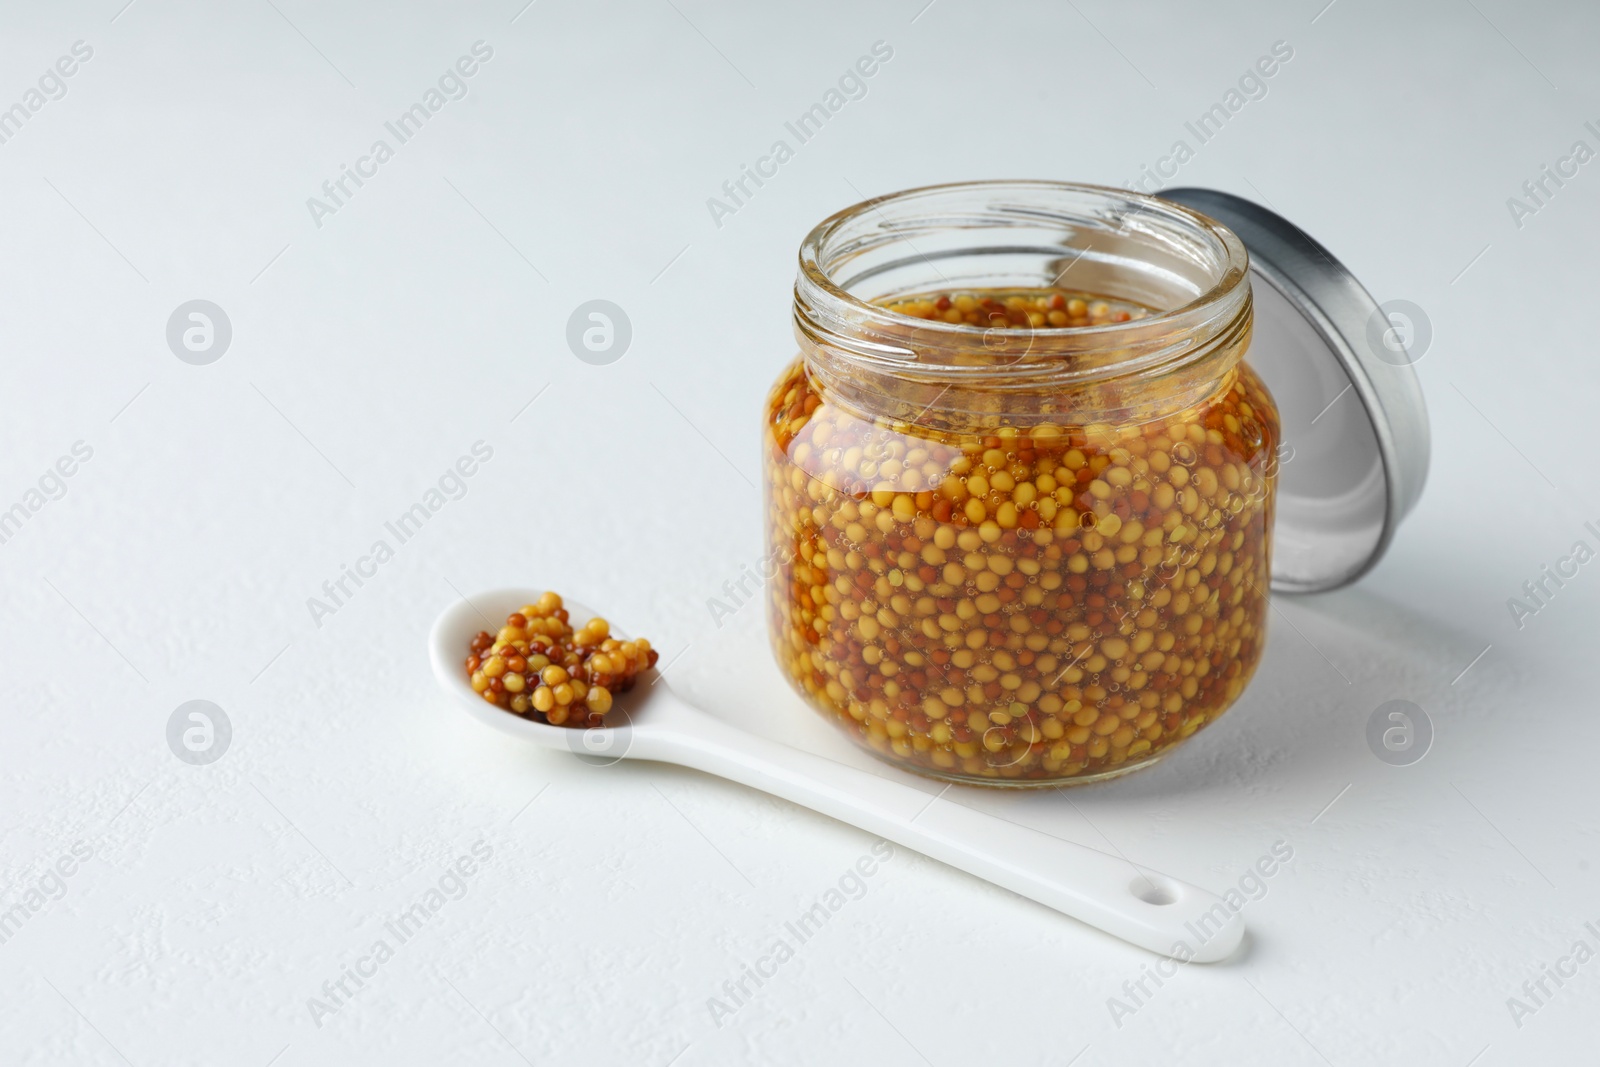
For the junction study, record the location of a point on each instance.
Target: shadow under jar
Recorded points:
(1019, 481)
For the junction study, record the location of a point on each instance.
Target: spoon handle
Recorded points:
(1149, 909)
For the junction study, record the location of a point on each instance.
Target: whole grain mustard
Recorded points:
(1025, 602)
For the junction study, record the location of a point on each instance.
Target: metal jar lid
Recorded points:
(1355, 428)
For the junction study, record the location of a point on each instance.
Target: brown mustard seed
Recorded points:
(1020, 602)
(539, 667)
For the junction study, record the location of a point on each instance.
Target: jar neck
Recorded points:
(1192, 272)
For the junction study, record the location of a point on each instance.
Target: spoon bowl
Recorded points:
(1149, 909)
(448, 642)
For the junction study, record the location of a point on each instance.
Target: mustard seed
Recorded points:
(538, 666)
(1052, 600)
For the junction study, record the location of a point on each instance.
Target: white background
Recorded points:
(372, 351)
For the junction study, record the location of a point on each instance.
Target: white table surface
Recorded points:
(372, 351)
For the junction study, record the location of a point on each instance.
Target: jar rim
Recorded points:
(828, 313)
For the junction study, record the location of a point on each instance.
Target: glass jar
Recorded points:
(1019, 481)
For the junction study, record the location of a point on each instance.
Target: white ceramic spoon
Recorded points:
(1149, 909)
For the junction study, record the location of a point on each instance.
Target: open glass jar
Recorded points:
(1019, 480)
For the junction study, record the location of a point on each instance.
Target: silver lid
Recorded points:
(1355, 428)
